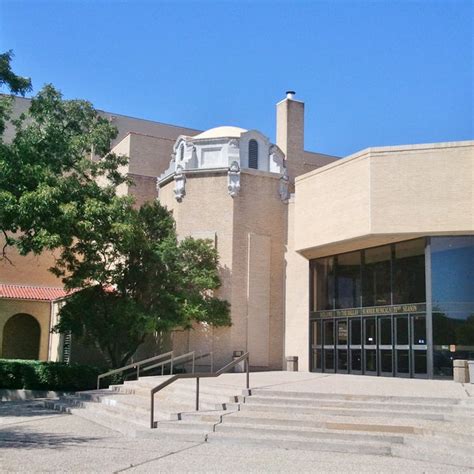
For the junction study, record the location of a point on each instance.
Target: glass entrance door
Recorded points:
(385, 348)
(419, 347)
(355, 345)
(370, 346)
(328, 347)
(402, 346)
(316, 346)
(341, 345)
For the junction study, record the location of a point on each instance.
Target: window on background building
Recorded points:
(253, 154)
(181, 153)
(376, 277)
(409, 272)
(348, 280)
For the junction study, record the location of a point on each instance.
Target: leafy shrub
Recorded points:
(38, 375)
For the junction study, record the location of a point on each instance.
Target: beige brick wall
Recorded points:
(256, 302)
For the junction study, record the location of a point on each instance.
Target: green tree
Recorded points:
(130, 276)
(148, 284)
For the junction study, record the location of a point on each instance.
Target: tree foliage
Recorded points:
(130, 275)
(149, 283)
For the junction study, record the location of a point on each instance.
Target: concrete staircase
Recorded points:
(433, 429)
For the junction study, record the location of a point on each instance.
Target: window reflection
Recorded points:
(409, 272)
(348, 280)
(452, 276)
(376, 282)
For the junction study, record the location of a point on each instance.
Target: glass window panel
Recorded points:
(324, 283)
(376, 277)
(328, 360)
(403, 362)
(370, 361)
(356, 360)
(342, 332)
(370, 337)
(316, 338)
(385, 331)
(420, 362)
(409, 272)
(342, 360)
(348, 280)
(419, 329)
(317, 359)
(452, 269)
(328, 333)
(386, 361)
(356, 327)
(402, 330)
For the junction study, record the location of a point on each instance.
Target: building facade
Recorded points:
(361, 264)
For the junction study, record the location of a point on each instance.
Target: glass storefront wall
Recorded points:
(372, 313)
(353, 326)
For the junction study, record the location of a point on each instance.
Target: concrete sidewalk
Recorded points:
(33, 439)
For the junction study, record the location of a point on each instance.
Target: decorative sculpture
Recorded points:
(233, 179)
(284, 186)
(179, 184)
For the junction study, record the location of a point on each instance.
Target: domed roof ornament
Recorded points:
(233, 179)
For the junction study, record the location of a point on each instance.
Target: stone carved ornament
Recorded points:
(284, 186)
(233, 179)
(179, 184)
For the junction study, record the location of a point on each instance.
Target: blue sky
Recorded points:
(371, 73)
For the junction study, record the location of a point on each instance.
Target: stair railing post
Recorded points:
(212, 361)
(138, 371)
(152, 411)
(197, 393)
(171, 368)
(247, 364)
(193, 362)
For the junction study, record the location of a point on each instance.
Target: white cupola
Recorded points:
(227, 149)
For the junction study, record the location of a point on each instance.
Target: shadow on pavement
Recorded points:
(19, 437)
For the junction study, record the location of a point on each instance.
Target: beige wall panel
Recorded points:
(39, 310)
(333, 204)
(150, 156)
(258, 298)
(297, 300)
(259, 210)
(422, 190)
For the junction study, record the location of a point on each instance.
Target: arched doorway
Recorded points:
(21, 337)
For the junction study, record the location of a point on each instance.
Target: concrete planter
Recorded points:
(460, 371)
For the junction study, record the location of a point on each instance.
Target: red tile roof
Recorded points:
(21, 292)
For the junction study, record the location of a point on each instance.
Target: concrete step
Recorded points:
(251, 405)
(352, 397)
(243, 429)
(295, 442)
(351, 404)
(285, 420)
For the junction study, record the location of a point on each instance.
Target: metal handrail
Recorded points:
(135, 365)
(173, 363)
(197, 376)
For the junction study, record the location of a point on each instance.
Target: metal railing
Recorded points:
(172, 361)
(197, 376)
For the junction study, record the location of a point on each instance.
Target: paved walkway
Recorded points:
(342, 384)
